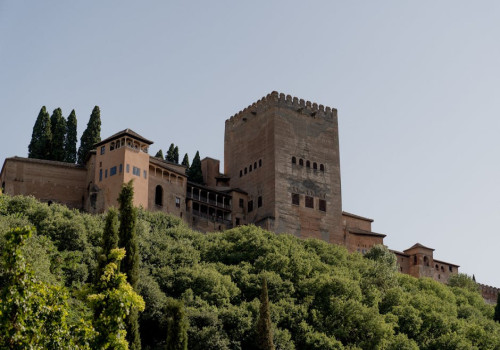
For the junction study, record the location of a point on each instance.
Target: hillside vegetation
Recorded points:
(321, 297)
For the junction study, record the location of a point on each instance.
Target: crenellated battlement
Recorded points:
(306, 108)
(489, 293)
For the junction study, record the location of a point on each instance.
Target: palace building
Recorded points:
(281, 172)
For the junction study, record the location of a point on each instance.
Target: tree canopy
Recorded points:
(71, 138)
(91, 135)
(41, 138)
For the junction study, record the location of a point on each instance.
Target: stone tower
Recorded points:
(284, 152)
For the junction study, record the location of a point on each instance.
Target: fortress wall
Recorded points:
(174, 186)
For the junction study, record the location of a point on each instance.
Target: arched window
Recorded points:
(426, 261)
(159, 196)
(415, 260)
(315, 166)
(321, 167)
(308, 164)
(294, 160)
(301, 162)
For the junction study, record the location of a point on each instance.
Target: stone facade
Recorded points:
(281, 172)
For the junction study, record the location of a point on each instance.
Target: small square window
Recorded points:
(322, 205)
(295, 198)
(309, 202)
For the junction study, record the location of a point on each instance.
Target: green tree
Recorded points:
(194, 173)
(58, 129)
(176, 155)
(496, 316)
(113, 304)
(185, 160)
(71, 138)
(177, 338)
(170, 153)
(264, 325)
(91, 135)
(41, 137)
(159, 154)
(130, 265)
(109, 240)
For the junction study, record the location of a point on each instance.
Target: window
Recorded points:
(294, 160)
(315, 166)
(242, 203)
(295, 198)
(301, 162)
(437, 267)
(322, 205)
(128, 168)
(121, 168)
(245, 171)
(442, 268)
(415, 260)
(112, 171)
(159, 195)
(308, 164)
(250, 206)
(309, 202)
(145, 174)
(136, 171)
(100, 164)
(250, 168)
(111, 146)
(100, 174)
(259, 201)
(450, 268)
(103, 149)
(177, 202)
(426, 261)
(241, 173)
(106, 173)
(321, 167)
(260, 163)
(237, 221)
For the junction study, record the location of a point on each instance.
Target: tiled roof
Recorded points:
(128, 132)
(418, 245)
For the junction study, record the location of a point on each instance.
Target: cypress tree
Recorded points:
(185, 160)
(176, 155)
(90, 136)
(71, 138)
(109, 240)
(194, 173)
(159, 154)
(177, 338)
(264, 330)
(130, 264)
(58, 129)
(170, 153)
(496, 317)
(41, 137)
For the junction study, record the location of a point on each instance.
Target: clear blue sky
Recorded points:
(416, 85)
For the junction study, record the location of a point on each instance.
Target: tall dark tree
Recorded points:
(177, 338)
(185, 160)
(194, 173)
(159, 154)
(264, 339)
(170, 153)
(496, 317)
(130, 264)
(90, 136)
(58, 129)
(176, 155)
(41, 137)
(109, 240)
(71, 138)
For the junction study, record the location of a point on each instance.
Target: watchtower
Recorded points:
(284, 152)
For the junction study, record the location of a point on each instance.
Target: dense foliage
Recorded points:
(91, 135)
(194, 172)
(71, 138)
(41, 137)
(320, 296)
(58, 129)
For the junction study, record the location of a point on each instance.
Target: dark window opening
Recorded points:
(415, 260)
(245, 171)
(309, 202)
(237, 221)
(442, 268)
(294, 160)
(103, 149)
(177, 202)
(159, 195)
(259, 201)
(450, 268)
(426, 261)
(255, 165)
(111, 146)
(308, 164)
(106, 173)
(241, 173)
(296, 198)
(241, 203)
(250, 168)
(250, 206)
(321, 167)
(437, 267)
(136, 171)
(260, 163)
(315, 166)
(322, 205)
(112, 171)
(301, 162)
(121, 168)
(100, 174)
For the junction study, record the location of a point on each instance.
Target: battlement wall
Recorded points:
(489, 293)
(306, 108)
